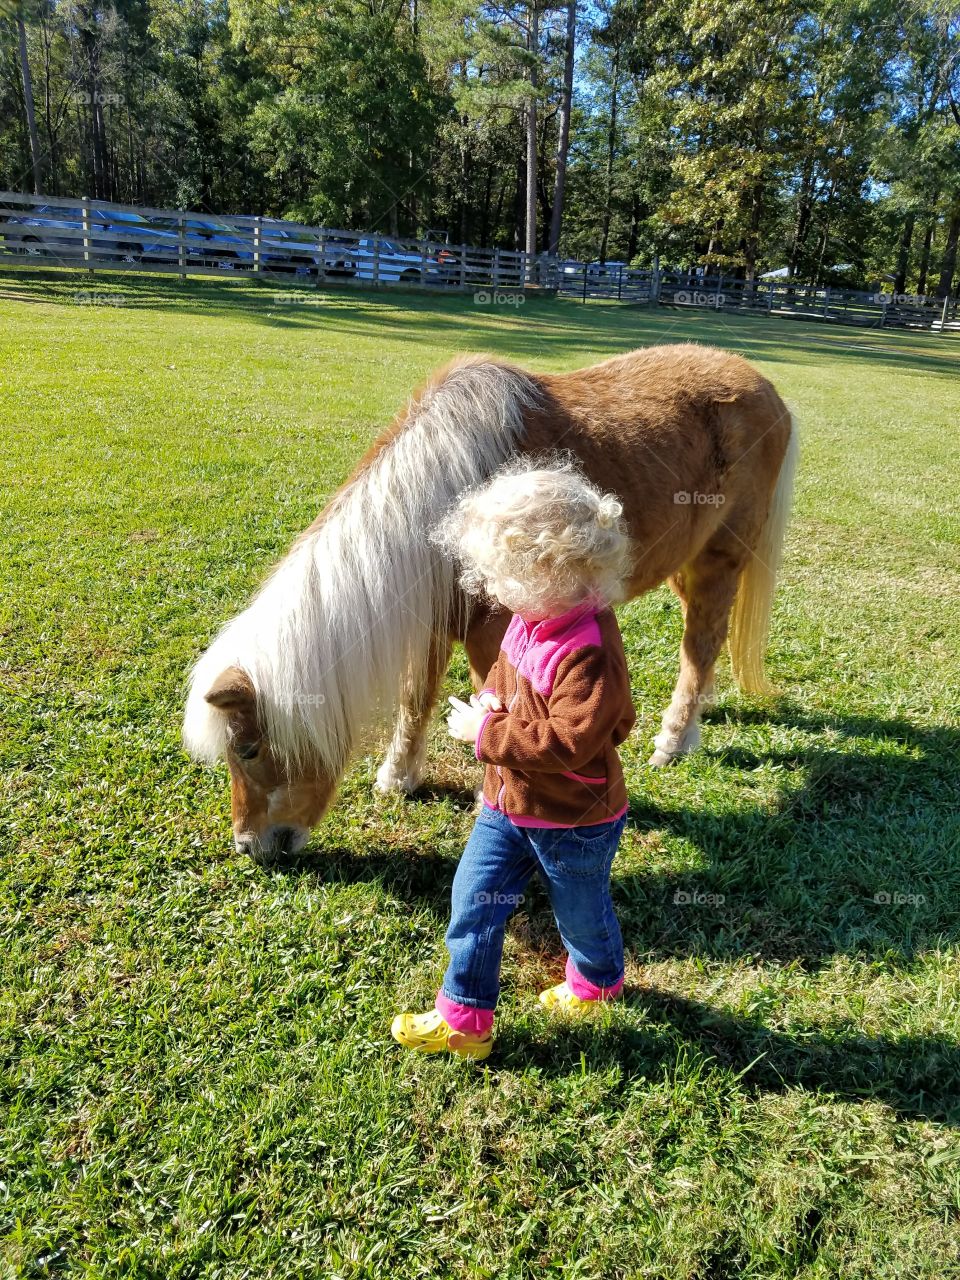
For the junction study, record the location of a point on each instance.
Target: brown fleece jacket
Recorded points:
(551, 756)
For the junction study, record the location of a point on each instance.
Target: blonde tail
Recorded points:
(750, 618)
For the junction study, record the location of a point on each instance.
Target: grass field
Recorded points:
(198, 1079)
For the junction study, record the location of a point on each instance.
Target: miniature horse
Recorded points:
(357, 622)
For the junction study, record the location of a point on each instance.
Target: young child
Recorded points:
(552, 548)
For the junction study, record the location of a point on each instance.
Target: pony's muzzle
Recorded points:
(272, 844)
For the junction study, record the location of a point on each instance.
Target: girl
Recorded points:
(552, 548)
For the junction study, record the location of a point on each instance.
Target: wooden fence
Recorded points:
(90, 235)
(96, 236)
(782, 298)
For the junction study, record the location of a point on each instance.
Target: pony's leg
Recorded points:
(706, 588)
(402, 766)
(482, 643)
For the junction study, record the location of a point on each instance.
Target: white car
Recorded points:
(384, 260)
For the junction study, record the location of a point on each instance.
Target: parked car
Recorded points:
(375, 258)
(209, 243)
(283, 250)
(46, 222)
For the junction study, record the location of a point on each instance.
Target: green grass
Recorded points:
(197, 1074)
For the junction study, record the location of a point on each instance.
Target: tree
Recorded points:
(563, 132)
(533, 47)
(36, 155)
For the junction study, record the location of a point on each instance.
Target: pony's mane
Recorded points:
(345, 619)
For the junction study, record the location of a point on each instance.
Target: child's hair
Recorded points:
(538, 537)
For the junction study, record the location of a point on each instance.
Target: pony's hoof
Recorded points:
(391, 780)
(660, 759)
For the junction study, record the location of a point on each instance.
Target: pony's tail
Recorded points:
(750, 618)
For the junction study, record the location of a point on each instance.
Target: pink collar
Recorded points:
(560, 622)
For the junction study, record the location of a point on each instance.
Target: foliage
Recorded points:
(818, 135)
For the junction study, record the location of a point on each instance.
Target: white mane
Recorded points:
(346, 618)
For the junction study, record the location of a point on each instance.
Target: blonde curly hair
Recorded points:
(539, 538)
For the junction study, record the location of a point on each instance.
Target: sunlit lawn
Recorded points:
(197, 1074)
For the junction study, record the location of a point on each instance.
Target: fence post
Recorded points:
(496, 268)
(463, 268)
(655, 279)
(376, 260)
(826, 300)
(943, 315)
(181, 249)
(257, 232)
(583, 266)
(85, 203)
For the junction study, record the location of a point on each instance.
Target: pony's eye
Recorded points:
(248, 751)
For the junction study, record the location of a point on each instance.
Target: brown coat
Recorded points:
(551, 756)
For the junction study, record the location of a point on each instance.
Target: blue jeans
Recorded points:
(497, 863)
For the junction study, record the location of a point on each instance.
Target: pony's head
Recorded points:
(274, 801)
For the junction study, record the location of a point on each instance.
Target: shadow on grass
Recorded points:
(917, 1076)
(861, 855)
(800, 882)
(546, 328)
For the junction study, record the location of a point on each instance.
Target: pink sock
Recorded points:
(464, 1017)
(586, 990)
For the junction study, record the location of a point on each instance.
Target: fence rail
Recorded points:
(95, 235)
(781, 298)
(99, 236)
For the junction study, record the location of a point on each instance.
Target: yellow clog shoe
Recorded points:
(561, 998)
(430, 1033)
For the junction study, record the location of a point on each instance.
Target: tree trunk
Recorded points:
(903, 256)
(530, 242)
(563, 138)
(611, 152)
(36, 155)
(485, 211)
(634, 227)
(751, 244)
(925, 260)
(802, 225)
(948, 264)
(464, 165)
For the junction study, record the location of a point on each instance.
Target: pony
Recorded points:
(356, 624)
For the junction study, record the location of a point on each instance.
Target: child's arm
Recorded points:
(590, 703)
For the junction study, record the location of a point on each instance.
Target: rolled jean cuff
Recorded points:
(463, 1017)
(584, 989)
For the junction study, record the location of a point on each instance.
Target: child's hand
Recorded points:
(489, 701)
(465, 719)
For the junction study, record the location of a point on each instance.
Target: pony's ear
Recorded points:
(232, 691)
